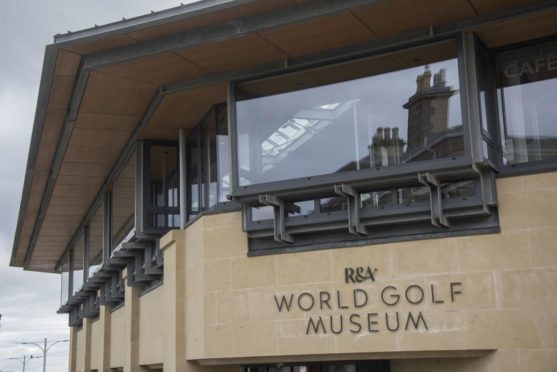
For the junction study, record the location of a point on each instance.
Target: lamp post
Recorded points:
(25, 360)
(44, 348)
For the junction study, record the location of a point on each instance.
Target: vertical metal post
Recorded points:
(139, 169)
(233, 150)
(44, 355)
(107, 226)
(183, 178)
(206, 156)
(85, 254)
(70, 275)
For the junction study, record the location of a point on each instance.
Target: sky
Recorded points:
(28, 300)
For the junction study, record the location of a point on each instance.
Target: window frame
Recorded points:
(511, 170)
(306, 187)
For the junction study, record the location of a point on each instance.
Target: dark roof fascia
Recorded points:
(45, 85)
(141, 22)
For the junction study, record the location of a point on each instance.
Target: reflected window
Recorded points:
(526, 86)
(377, 112)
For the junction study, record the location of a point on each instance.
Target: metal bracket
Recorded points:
(487, 189)
(279, 212)
(435, 199)
(353, 200)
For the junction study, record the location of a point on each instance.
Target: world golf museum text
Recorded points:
(355, 305)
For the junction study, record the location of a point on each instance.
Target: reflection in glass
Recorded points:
(393, 117)
(123, 203)
(526, 86)
(64, 280)
(96, 229)
(77, 269)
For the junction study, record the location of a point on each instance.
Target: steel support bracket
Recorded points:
(438, 218)
(487, 189)
(279, 212)
(353, 201)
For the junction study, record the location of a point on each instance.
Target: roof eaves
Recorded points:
(47, 75)
(152, 19)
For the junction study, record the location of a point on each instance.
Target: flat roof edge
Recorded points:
(180, 12)
(45, 85)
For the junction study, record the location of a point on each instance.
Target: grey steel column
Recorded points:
(183, 179)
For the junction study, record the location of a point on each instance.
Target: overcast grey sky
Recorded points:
(28, 301)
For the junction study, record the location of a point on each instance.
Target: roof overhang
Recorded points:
(105, 87)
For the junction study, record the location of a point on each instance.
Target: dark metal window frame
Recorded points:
(144, 205)
(432, 174)
(307, 186)
(511, 170)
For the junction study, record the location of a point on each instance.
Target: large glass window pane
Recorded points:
(377, 112)
(77, 268)
(164, 183)
(96, 229)
(64, 280)
(123, 202)
(526, 86)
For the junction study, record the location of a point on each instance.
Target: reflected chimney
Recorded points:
(423, 81)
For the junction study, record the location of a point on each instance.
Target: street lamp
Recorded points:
(25, 360)
(44, 348)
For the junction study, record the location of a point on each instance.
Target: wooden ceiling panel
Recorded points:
(518, 30)
(44, 157)
(74, 190)
(394, 17)
(80, 180)
(158, 69)
(53, 124)
(84, 169)
(78, 212)
(110, 122)
(61, 91)
(112, 95)
(101, 45)
(319, 34)
(83, 137)
(71, 201)
(183, 110)
(179, 113)
(92, 154)
(488, 6)
(214, 18)
(67, 63)
(234, 54)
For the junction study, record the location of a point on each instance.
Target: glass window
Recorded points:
(376, 112)
(526, 86)
(194, 174)
(64, 280)
(123, 202)
(95, 251)
(222, 154)
(77, 268)
(163, 209)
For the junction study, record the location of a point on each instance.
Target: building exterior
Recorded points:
(285, 185)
